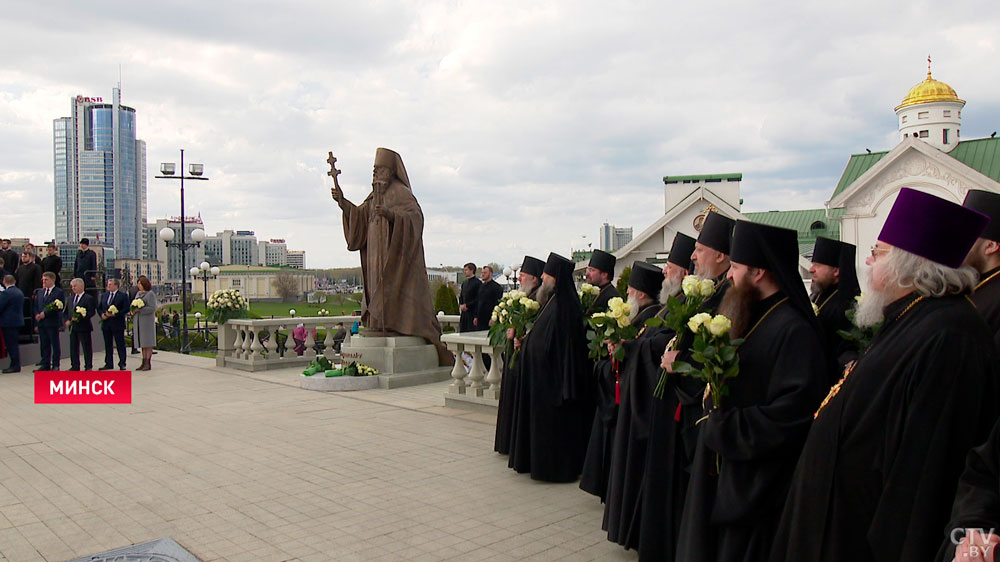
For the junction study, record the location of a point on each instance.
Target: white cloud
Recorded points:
(523, 126)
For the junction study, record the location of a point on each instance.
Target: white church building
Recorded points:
(931, 157)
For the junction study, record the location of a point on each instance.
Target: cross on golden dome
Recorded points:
(930, 90)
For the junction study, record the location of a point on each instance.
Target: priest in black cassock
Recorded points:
(553, 406)
(468, 303)
(601, 274)
(529, 279)
(639, 377)
(975, 517)
(984, 257)
(834, 288)
(672, 432)
(644, 285)
(755, 436)
(878, 473)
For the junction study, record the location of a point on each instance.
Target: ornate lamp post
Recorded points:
(206, 272)
(195, 171)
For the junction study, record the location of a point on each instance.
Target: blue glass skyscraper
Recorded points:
(100, 176)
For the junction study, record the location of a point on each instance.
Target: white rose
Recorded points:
(706, 287)
(719, 326)
(697, 320)
(690, 285)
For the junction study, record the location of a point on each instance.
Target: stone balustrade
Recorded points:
(252, 345)
(478, 385)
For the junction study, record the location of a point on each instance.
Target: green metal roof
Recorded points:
(802, 222)
(708, 177)
(857, 165)
(982, 155)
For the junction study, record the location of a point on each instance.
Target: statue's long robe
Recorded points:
(397, 294)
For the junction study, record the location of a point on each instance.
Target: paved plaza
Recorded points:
(247, 466)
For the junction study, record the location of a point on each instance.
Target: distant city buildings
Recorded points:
(297, 259)
(272, 252)
(232, 248)
(100, 175)
(613, 238)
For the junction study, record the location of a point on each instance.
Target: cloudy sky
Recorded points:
(523, 125)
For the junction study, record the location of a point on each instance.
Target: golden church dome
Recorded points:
(930, 90)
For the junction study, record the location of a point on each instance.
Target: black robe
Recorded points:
(987, 300)
(758, 432)
(607, 292)
(553, 405)
(878, 472)
(656, 518)
(977, 503)
(597, 464)
(833, 305)
(505, 407)
(639, 377)
(469, 296)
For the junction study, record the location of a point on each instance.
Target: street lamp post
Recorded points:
(197, 235)
(206, 271)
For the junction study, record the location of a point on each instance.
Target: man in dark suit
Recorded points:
(86, 264)
(48, 316)
(80, 331)
(113, 327)
(467, 299)
(52, 262)
(11, 320)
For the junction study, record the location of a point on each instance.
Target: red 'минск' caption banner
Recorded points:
(83, 387)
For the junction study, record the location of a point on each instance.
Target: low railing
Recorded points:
(252, 344)
(477, 382)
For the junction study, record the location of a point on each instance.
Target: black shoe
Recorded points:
(154, 353)
(73, 369)
(17, 370)
(106, 368)
(135, 352)
(122, 368)
(38, 364)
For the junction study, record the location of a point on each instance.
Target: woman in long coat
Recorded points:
(144, 322)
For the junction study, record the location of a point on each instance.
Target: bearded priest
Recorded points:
(879, 470)
(748, 445)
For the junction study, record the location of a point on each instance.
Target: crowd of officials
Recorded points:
(34, 303)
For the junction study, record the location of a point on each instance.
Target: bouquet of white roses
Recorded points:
(588, 294)
(136, 305)
(79, 313)
(515, 310)
(226, 304)
(715, 352)
(613, 326)
(113, 310)
(54, 306)
(695, 291)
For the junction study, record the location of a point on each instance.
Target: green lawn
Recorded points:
(337, 305)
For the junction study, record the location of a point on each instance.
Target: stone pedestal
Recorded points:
(400, 360)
